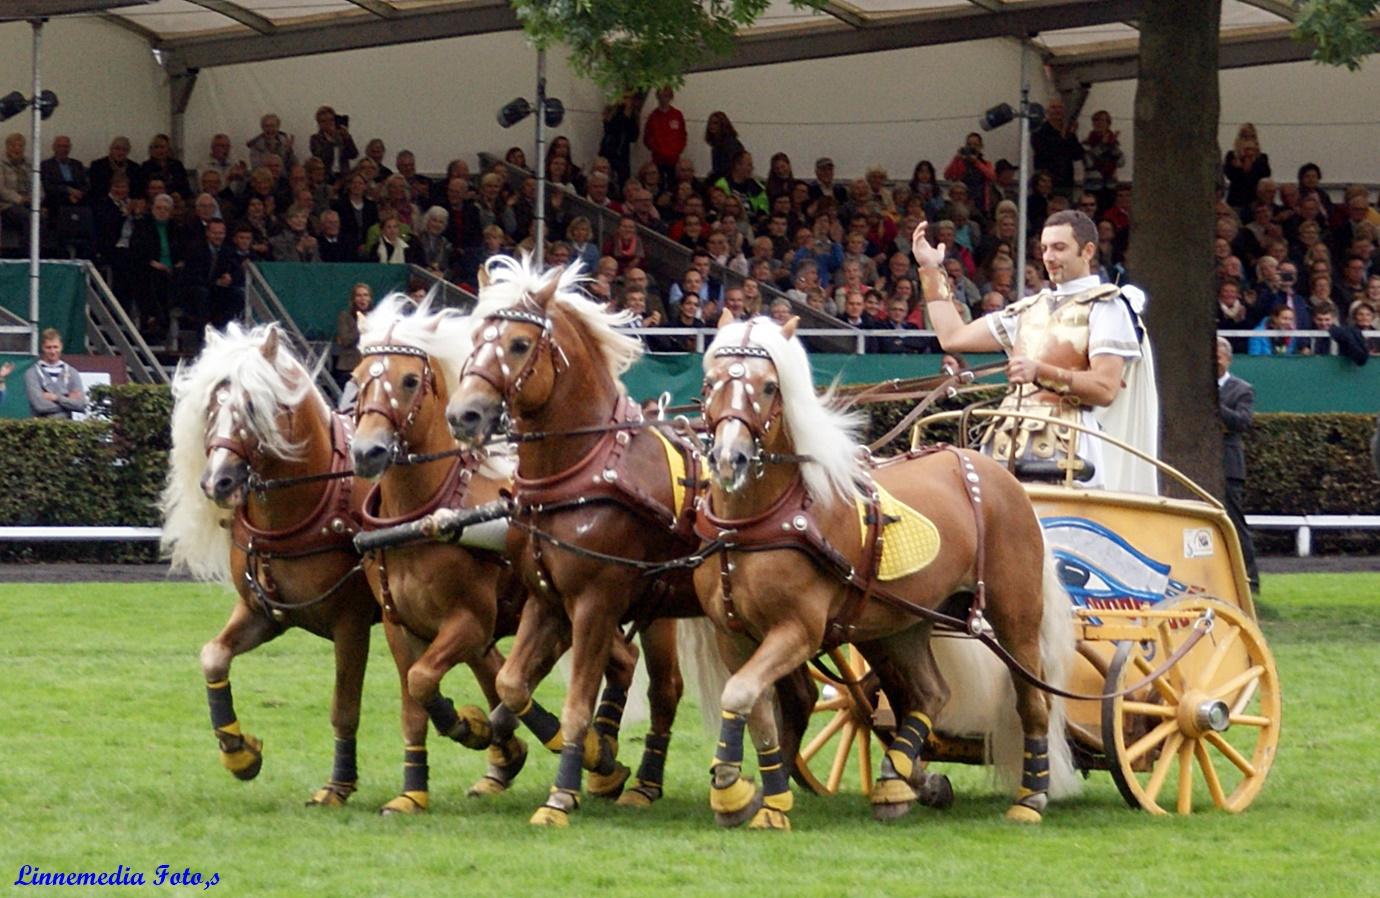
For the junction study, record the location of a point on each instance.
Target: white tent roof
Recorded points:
(1083, 40)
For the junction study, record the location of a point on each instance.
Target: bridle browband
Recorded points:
(510, 386)
(757, 424)
(390, 410)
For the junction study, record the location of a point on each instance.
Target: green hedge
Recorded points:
(108, 470)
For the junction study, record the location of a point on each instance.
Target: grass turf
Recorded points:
(108, 759)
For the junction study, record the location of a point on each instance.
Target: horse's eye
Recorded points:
(411, 381)
(770, 388)
(520, 345)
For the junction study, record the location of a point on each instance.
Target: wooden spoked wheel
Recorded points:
(848, 709)
(1205, 730)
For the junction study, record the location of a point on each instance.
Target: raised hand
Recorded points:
(927, 255)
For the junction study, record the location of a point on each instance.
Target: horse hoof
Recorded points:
(406, 803)
(770, 818)
(735, 802)
(639, 795)
(609, 785)
(891, 798)
(548, 816)
(246, 761)
(936, 792)
(1019, 813)
(332, 795)
(505, 763)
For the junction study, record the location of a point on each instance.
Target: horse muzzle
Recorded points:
(224, 484)
(729, 464)
(371, 456)
(473, 419)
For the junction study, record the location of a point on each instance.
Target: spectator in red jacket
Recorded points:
(664, 134)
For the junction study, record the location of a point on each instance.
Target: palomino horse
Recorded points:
(788, 480)
(443, 604)
(604, 502)
(260, 497)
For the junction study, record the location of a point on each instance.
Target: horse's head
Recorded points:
(250, 418)
(401, 390)
(742, 407)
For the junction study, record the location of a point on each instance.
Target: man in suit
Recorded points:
(1236, 400)
(64, 179)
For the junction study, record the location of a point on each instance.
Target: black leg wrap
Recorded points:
(730, 750)
(542, 724)
(1035, 765)
(653, 768)
(345, 771)
(222, 705)
(441, 710)
(775, 780)
(415, 771)
(608, 717)
(571, 769)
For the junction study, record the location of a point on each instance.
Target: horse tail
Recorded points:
(702, 668)
(982, 699)
(1058, 645)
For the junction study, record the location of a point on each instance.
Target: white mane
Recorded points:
(816, 429)
(441, 332)
(193, 538)
(513, 283)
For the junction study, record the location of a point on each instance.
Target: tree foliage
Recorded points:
(1338, 30)
(642, 44)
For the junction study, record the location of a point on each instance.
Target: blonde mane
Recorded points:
(816, 428)
(513, 283)
(440, 331)
(194, 539)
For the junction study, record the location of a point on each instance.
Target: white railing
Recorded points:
(1304, 524)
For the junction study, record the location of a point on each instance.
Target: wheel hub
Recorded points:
(1199, 714)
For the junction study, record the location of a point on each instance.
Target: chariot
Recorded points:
(1181, 698)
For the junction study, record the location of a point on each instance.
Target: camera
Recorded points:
(342, 121)
(1286, 277)
(967, 151)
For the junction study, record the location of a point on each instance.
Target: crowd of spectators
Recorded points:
(175, 238)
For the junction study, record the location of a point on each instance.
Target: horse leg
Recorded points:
(606, 776)
(240, 753)
(747, 701)
(542, 632)
(1032, 705)
(351, 638)
(594, 631)
(414, 797)
(507, 753)
(911, 679)
(664, 692)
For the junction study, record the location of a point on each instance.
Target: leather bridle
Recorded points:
(392, 411)
(505, 383)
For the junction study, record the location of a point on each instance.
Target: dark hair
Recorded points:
(1307, 167)
(1084, 231)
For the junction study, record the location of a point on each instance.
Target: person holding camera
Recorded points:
(969, 167)
(332, 143)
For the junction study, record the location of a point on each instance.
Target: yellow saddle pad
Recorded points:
(910, 541)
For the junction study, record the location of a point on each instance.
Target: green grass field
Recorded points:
(106, 758)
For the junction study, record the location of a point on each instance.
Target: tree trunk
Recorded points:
(1173, 206)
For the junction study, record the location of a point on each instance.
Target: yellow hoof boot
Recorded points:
(1029, 806)
(891, 798)
(770, 818)
(553, 817)
(1019, 813)
(639, 795)
(487, 787)
(472, 729)
(244, 761)
(735, 803)
(406, 803)
(505, 763)
(332, 795)
(609, 785)
(599, 750)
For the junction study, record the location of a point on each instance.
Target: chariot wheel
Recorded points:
(1206, 729)
(847, 706)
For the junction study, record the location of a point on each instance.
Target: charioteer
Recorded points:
(1073, 351)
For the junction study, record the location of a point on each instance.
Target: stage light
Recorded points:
(996, 116)
(12, 104)
(514, 112)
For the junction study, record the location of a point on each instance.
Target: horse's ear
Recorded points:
(788, 329)
(725, 319)
(270, 347)
(543, 296)
(484, 277)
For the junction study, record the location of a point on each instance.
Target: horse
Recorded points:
(260, 497)
(605, 503)
(817, 544)
(443, 604)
